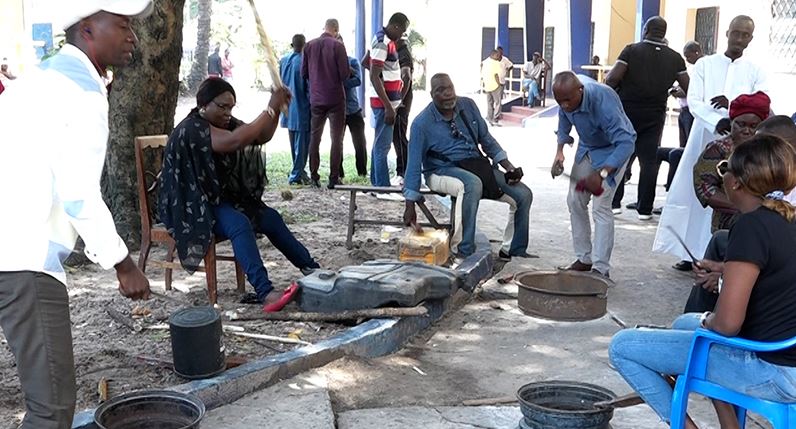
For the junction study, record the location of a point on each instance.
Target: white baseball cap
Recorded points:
(80, 9)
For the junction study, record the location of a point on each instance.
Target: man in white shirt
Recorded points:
(715, 80)
(506, 65)
(49, 185)
(532, 76)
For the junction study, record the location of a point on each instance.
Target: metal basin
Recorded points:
(562, 295)
(564, 405)
(150, 409)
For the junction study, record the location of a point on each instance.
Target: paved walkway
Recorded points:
(489, 348)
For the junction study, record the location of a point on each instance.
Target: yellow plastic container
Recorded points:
(430, 246)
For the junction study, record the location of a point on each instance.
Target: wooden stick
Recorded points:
(270, 55)
(271, 338)
(124, 320)
(489, 401)
(371, 313)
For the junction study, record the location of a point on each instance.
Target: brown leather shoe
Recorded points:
(576, 266)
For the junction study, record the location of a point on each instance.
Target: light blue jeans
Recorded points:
(532, 86)
(379, 169)
(642, 355)
(473, 188)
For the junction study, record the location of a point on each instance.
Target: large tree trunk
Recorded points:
(142, 102)
(200, 54)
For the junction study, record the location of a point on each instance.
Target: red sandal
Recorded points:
(287, 296)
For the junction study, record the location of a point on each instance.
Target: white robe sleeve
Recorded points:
(698, 103)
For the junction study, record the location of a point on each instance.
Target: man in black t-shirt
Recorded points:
(642, 76)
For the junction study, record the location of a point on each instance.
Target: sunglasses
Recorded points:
(455, 132)
(723, 167)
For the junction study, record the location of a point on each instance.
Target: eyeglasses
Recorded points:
(723, 167)
(455, 133)
(227, 107)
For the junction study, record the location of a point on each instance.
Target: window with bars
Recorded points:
(782, 38)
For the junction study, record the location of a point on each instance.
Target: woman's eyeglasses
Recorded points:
(455, 130)
(226, 107)
(723, 167)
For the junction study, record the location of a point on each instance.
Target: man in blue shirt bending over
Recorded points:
(607, 139)
(444, 145)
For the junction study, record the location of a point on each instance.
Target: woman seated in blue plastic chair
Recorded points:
(757, 298)
(212, 183)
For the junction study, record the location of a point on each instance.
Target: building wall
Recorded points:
(12, 25)
(681, 16)
(622, 28)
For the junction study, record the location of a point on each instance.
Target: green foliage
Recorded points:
(279, 164)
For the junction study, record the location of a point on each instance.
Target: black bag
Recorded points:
(481, 167)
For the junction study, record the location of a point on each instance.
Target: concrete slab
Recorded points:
(286, 405)
(431, 418)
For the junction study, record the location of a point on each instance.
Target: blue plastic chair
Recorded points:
(781, 415)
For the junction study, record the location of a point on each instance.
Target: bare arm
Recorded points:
(683, 80)
(617, 73)
(406, 78)
(739, 279)
(258, 132)
(378, 84)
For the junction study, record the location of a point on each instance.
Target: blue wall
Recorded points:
(580, 33)
(645, 9)
(503, 27)
(534, 27)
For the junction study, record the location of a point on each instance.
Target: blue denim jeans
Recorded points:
(379, 169)
(521, 194)
(233, 224)
(642, 355)
(299, 149)
(532, 86)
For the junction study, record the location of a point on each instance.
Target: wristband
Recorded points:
(271, 112)
(703, 318)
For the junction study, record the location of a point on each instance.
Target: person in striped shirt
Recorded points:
(385, 79)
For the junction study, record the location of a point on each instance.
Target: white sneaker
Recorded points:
(397, 181)
(617, 210)
(644, 217)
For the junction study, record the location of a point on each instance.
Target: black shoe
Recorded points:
(597, 272)
(503, 256)
(632, 206)
(250, 298)
(658, 211)
(307, 270)
(315, 184)
(683, 266)
(333, 183)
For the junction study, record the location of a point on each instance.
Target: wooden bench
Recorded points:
(353, 221)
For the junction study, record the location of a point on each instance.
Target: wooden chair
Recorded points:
(157, 233)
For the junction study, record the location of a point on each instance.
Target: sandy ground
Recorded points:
(106, 349)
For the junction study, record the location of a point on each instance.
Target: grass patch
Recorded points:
(279, 164)
(297, 218)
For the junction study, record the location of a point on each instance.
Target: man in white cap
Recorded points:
(53, 144)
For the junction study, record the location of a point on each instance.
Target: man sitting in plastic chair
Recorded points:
(756, 300)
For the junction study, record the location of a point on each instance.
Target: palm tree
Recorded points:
(198, 73)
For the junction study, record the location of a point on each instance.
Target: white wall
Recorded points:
(676, 15)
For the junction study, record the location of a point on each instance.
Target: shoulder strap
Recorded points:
(472, 133)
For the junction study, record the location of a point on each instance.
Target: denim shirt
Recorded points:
(606, 133)
(351, 85)
(298, 112)
(433, 145)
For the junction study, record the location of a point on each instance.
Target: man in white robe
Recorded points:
(715, 80)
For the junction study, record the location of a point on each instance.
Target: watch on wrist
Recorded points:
(703, 318)
(604, 173)
(271, 112)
